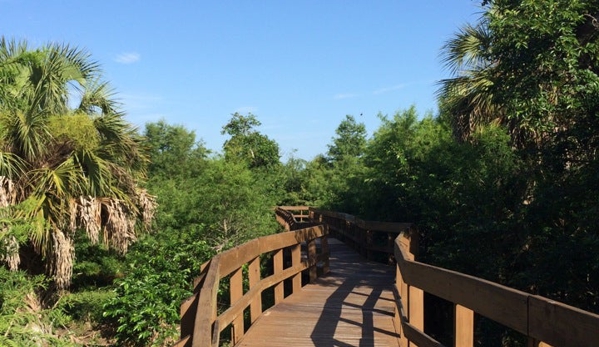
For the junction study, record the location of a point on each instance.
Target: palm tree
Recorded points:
(68, 159)
(468, 97)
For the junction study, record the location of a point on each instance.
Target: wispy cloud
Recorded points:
(389, 89)
(341, 96)
(127, 58)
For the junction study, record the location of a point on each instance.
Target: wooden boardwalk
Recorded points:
(351, 306)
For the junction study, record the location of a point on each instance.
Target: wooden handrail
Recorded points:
(293, 217)
(201, 323)
(373, 240)
(545, 322)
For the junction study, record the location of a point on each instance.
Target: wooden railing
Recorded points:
(294, 217)
(201, 321)
(373, 240)
(545, 322)
(300, 214)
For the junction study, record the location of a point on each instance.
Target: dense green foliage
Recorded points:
(247, 144)
(502, 183)
(206, 205)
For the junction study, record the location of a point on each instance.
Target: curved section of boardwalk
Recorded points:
(351, 306)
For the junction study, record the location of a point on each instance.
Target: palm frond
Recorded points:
(98, 99)
(119, 230)
(11, 165)
(61, 264)
(11, 255)
(26, 133)
(468, 50)
(87, 215)
(147, 206)
(98, 178)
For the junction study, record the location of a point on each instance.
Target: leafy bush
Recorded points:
(86, 306)
(23, 320)
(145, 308)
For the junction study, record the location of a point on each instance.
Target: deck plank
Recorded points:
(351, 306)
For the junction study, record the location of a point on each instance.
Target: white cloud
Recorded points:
(127, 58)
(345, 96)
(389, 89)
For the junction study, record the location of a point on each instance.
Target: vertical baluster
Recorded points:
(324, 243)
(415, 296)
(254, 278)
(278, 268)
(296, 258)
(405, 295)
(312, 260)
(368, 243)
(464, 326)
(235, 293)
(416, 308)
(403, 298)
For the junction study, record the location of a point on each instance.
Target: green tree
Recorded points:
(247, 144)
(173, 150)
(350, 140)
(540, 65)
(65, 168)
(468, 99)
(223, 204)
(334, 180)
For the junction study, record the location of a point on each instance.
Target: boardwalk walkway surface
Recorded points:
(351, 306)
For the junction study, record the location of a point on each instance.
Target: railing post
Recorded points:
(277, 260)
(235, 293)
(402, 290)
(416, 308)
(414, 302)
(464, 326)
(296, 258)
(312, 260)
(253, 279)
(368, 240)
(204, 331)
(324, 246)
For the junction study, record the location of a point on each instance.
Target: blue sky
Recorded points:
(299, 66)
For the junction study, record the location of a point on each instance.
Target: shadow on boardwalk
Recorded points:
(351, 306)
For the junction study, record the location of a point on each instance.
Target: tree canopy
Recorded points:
(247, 144)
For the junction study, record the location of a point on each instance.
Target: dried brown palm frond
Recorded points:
(63, 256)
(11, 258)
(8, 193)
(87, 215)
(10, 244)
(119, 230)
(147, 205)
(73, 208)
